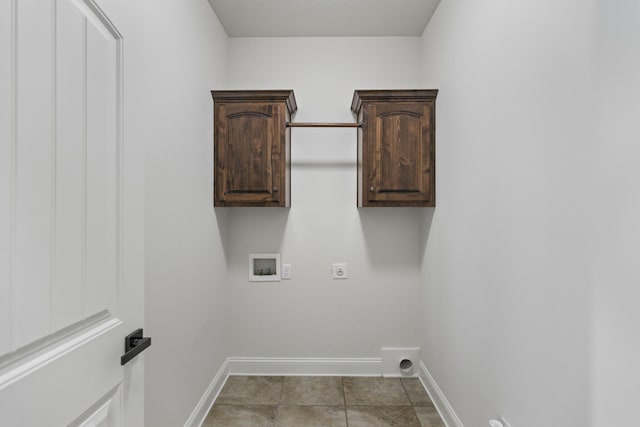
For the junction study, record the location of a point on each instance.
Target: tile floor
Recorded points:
(247, 401)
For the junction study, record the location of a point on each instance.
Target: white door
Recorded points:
(71, 243)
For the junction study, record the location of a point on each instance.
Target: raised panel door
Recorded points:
(398, 153)
(249, 156)
(70, 278)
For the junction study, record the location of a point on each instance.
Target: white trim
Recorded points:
(363, 366)
(107, 408)
(14, 374)
(203, 407)
(98, 416)
(98, 18)
(441, 403)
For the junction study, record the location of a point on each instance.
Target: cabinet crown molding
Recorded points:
(279, 95)
(395, 95)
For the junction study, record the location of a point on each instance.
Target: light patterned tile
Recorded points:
(241, 416)
(319, 401)
(428, 416)
(417, 394)
(374, 391)
(382, 416)
(250, 390)
(312, 391)
(312, 416)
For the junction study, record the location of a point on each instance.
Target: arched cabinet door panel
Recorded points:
(252, 147)
(396, 147)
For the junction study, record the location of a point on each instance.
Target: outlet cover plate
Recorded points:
(339, 271)
(286, 271)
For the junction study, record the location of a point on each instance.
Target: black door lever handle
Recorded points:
(134, 344)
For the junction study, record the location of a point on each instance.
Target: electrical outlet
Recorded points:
(339, 271)
(286, 271)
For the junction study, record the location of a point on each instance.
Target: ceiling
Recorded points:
(323, 18)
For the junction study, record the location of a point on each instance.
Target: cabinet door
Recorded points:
(400, 154)
(248, 154)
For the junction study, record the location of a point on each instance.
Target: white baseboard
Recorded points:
(445, 410)
(211, 393)
(305, 366)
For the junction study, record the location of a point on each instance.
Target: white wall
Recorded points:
(507, 265)
(184, 58)
(617, 294)
(506, 261)
(313, 315)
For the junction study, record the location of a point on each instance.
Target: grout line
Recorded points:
(281, 390)
(410, 401)
(405, 391)
(344, 398)
(280, 402)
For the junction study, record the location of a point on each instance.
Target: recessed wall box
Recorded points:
(264, 267)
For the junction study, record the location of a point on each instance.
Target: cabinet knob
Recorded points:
(371, 188)
(275, 188)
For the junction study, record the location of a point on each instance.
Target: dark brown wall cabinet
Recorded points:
(396, 147)
(252, 147)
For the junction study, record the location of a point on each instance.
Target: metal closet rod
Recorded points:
(323, 125)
